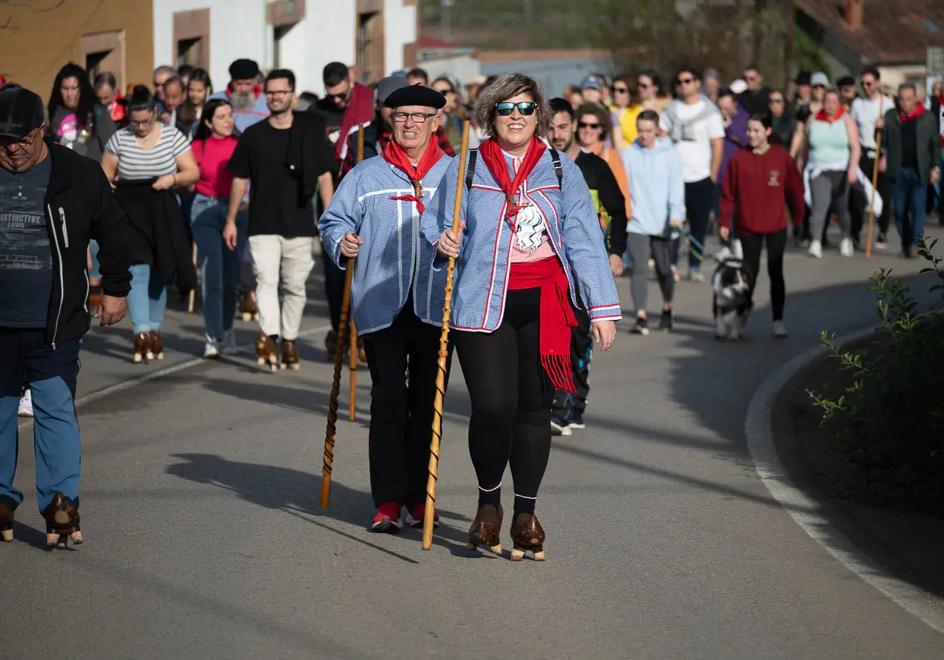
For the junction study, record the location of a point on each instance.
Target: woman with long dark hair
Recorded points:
(531, 236)
(146, 161)
(74, 119)
(199, 88)
(213, 146)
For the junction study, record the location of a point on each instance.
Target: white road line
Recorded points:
(804, 510)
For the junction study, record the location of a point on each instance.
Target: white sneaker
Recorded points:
(211, 349)
(780, 329)
(846, 248)
(26, 405)
(228, 345)
(816, 250)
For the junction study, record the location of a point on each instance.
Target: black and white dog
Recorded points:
(731, 297)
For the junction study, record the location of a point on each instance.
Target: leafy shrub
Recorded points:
(889, 422)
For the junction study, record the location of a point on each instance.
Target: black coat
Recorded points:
(79, 206)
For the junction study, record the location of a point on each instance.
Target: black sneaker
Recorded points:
(641, 327)
(576, 422)
(560, 426)
(665, 321)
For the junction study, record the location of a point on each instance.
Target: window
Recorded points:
(104, 51)
(192, 38)
(370, 45)
(190, 51)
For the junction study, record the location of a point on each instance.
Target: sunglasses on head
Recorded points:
(505, 108)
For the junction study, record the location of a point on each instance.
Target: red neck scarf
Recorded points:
(495, 160)
(822, 116)
(914, 114)
(394, 154)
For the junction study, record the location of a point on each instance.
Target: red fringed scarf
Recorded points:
(394, 154)
(495, 160)
(911, 116)
(822, 116)
(557, 318)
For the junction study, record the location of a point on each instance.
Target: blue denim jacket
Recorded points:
(394, 258)
(482, 268)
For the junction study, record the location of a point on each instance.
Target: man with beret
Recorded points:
(52, 201)
(244, 92)
(375, 214)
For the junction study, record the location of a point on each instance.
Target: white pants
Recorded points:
(287, 261)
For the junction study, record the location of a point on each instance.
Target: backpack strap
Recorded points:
(470, 168)
(558, 168)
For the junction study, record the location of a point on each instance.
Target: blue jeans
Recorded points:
(147, 299)
(26, 359)
(910, 195)
(219, 266)
(96, 272)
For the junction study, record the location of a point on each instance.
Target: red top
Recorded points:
(757, 188)
(212, 156)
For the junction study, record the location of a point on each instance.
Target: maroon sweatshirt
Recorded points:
(757, 190)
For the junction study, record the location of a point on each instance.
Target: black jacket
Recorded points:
(79, 206)
(600, 177)
(929, 147)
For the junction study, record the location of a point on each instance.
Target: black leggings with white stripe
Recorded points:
(511, 401)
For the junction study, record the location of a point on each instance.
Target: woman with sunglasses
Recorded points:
(145, 162)
(530, 233)
(625, 112)
(650, 87)
(593, 126)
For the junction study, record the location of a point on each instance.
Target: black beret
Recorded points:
(243, 69)
(415, 95)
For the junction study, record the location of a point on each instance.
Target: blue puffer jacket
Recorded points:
(394, 258)
(485, 254)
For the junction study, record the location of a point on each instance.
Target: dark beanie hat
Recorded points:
(243, 69)
(415, 95)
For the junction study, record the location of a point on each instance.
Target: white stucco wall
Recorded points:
(238, 28)
(327, 33)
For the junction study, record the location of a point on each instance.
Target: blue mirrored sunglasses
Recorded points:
(526, 108)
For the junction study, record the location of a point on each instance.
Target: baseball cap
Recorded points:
(819, 78)
(389, 85)
(21, 111)
(590, 82)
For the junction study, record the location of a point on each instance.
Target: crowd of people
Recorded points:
(233, 191)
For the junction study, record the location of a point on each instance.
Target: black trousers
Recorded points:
(859, 202)
(403, 363)
(511, 398)
(699, 202)
(776, 244)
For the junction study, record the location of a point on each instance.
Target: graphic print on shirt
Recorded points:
(529, 229)
(773, 178)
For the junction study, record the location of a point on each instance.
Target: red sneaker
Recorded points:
(414, 516)
(387, 518)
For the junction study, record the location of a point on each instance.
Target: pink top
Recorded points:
(530, 242)
(212, 156)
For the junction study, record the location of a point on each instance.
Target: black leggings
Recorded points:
(511, 399)
(776, 243)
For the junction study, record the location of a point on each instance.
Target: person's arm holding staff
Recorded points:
(448, 245)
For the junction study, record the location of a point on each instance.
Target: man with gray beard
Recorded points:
(244, 93)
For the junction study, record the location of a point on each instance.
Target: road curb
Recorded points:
(806, 511)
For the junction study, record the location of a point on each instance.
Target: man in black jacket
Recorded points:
(568, 409)
(52, 201)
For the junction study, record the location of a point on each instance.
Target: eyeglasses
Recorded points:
(444, 90)
(505, 108)
(685, 81)
(339, 97)
(278, 92)
(417, 117)
(620, 90)
(750, 78)
(868, 83)
(582, 124)
(642, 85)
(819, 86)
(775, 100)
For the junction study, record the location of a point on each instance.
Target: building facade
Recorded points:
(38, 38)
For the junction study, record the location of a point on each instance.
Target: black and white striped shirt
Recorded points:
(136, 163)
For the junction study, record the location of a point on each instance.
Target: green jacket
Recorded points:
(929, 149)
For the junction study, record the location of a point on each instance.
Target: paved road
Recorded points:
(205, 539)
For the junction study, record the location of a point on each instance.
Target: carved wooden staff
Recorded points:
(430, 513)
(352, 346)
(878, 157)
(343, 327)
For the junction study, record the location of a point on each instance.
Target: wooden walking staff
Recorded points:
(192, 296)
(430, 513)
(343, 328)
(878, 156)
(352, 346)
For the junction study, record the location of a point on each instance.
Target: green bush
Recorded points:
(888, 422)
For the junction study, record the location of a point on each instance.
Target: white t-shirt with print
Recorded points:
(694, 149)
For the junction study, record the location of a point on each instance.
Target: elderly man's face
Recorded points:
(20, 155)
(413, 125)
(907, 99)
